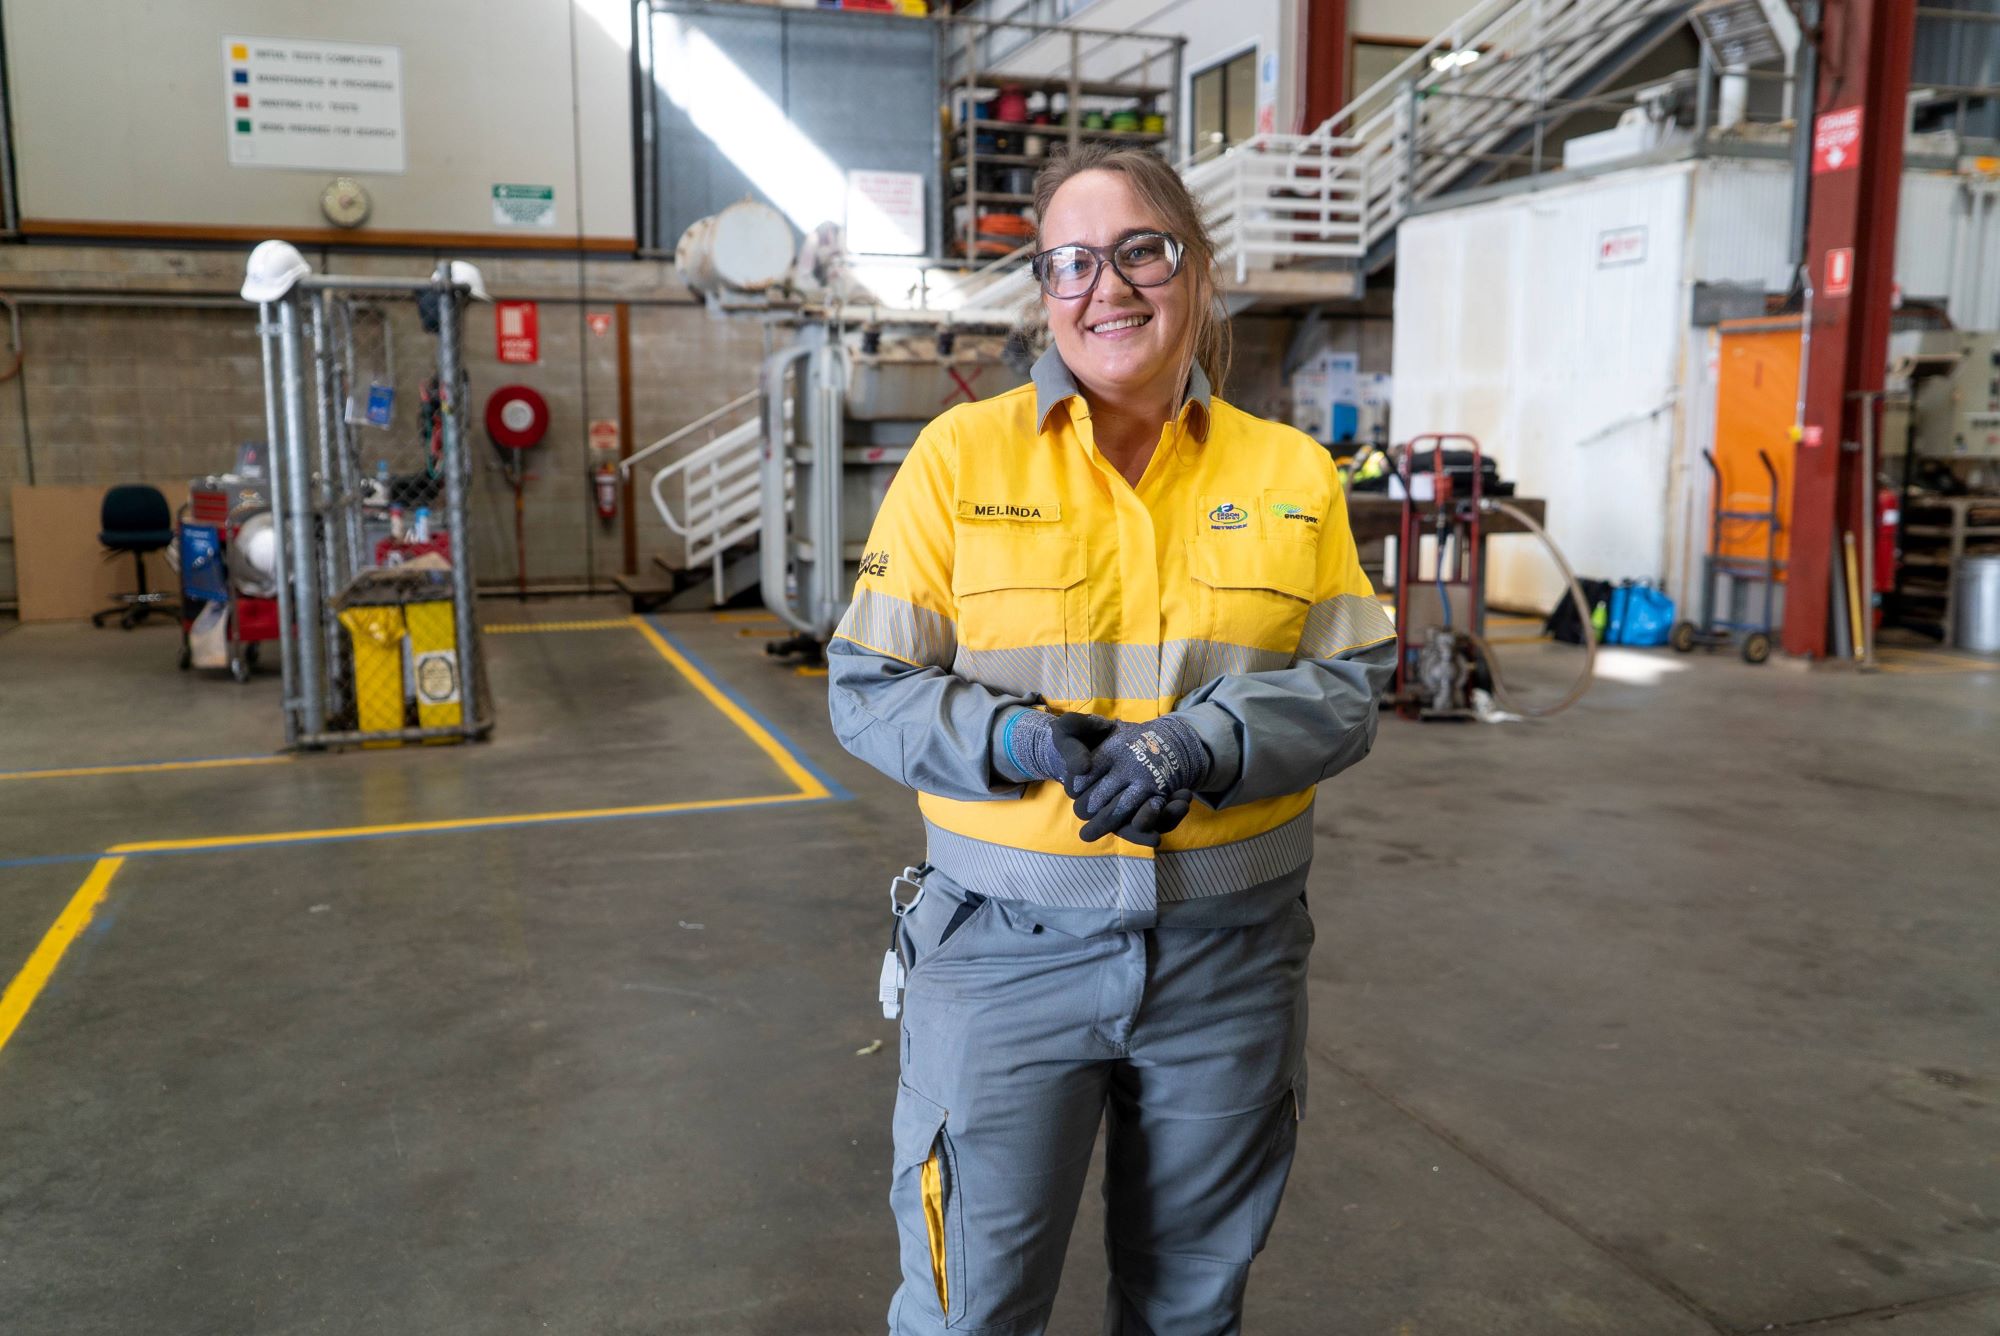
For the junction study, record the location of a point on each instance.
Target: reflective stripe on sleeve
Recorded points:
(899, 628)
(1342, 623)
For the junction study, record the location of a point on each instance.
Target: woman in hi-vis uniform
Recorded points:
(1113, 631)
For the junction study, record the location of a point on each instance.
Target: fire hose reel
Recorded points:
(517, 418)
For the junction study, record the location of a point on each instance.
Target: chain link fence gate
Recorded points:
(365, 399)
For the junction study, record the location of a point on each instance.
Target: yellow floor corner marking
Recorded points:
(809, 787)
(76, 916)
(219, 842)
(144, 767)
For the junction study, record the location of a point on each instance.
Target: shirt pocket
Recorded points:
(1254, 594)
(1022, 611)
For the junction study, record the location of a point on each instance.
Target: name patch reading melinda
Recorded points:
(1032, 511)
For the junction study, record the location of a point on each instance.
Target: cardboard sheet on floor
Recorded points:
(61, 571)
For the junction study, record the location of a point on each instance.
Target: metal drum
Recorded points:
(747, 247)
(1977, 620)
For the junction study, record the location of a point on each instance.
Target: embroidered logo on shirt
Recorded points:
(1010, 510)
(1290, 512)
(1228, 515)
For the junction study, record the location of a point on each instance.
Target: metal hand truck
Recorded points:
(1431, 672)
(1752, 639)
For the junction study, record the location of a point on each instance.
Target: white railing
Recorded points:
(1419, 126)
(720, 505)
(1277, 199)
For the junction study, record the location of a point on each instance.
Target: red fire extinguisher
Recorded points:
(607, 491)
(1888, 526)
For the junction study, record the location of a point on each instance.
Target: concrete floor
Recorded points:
(1675, 1015)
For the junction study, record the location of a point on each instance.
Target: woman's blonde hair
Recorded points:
(1160, 187)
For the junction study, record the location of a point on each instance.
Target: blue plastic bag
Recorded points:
(1640, 615)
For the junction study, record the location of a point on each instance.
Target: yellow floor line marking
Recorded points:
(145, 767)
(76, 916)
(809, 787)
(745, 617)
(455, 824)
(523, 628)
(808, 670)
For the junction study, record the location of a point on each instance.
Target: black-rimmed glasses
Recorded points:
(1144, 259)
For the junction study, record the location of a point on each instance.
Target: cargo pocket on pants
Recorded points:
(925, 1199)
(1284, 1143)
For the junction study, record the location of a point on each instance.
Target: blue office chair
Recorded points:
(135, 519)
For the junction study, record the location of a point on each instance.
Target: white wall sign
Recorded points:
(524, 206)
(885, 213)
(1621, 245)
(329, 106)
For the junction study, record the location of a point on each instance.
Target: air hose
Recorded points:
(1578, 600)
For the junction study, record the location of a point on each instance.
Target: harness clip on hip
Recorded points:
(889, 986)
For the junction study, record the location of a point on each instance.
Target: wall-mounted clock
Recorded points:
(344, 202)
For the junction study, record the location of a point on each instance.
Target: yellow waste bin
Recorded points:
(434, 658)
(377, 636)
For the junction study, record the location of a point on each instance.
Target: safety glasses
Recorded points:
(1144, 259)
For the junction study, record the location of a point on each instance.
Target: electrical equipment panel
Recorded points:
(1953, 378)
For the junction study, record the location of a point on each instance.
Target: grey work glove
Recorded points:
(1033, 744)
(1141, 780)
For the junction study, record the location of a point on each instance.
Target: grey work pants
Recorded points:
(1017, 1040)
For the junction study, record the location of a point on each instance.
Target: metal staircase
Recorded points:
(710, 499)
(1480, 98)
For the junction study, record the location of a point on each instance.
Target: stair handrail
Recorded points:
(743, 439)
(740, 402)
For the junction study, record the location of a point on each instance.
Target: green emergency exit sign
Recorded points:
(524, 206)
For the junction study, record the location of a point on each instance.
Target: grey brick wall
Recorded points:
(150, 391)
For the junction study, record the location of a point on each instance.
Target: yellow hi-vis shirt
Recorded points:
(1012, 564)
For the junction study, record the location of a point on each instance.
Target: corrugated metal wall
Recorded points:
(1550, 325)
(1947, 235)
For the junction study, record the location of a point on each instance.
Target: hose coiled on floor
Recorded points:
(1583, 611)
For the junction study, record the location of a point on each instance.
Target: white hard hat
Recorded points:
(274, 266)
(465, 274)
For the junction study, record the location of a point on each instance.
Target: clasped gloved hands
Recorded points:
(1133, 780)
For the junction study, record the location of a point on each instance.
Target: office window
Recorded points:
(1225, 104)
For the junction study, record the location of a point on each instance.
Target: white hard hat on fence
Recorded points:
(465, 274)
(274, 266)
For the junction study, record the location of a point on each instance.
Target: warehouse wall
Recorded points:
(494, 91)
(1423, 19)
(114, 394)
(1947, 235)
(1509, 326)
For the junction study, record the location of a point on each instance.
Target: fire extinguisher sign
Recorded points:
(516, 334)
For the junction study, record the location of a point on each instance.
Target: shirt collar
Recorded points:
(1054, 385)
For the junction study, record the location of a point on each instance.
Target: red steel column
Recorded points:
(1866, 47)
(1325, 65)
